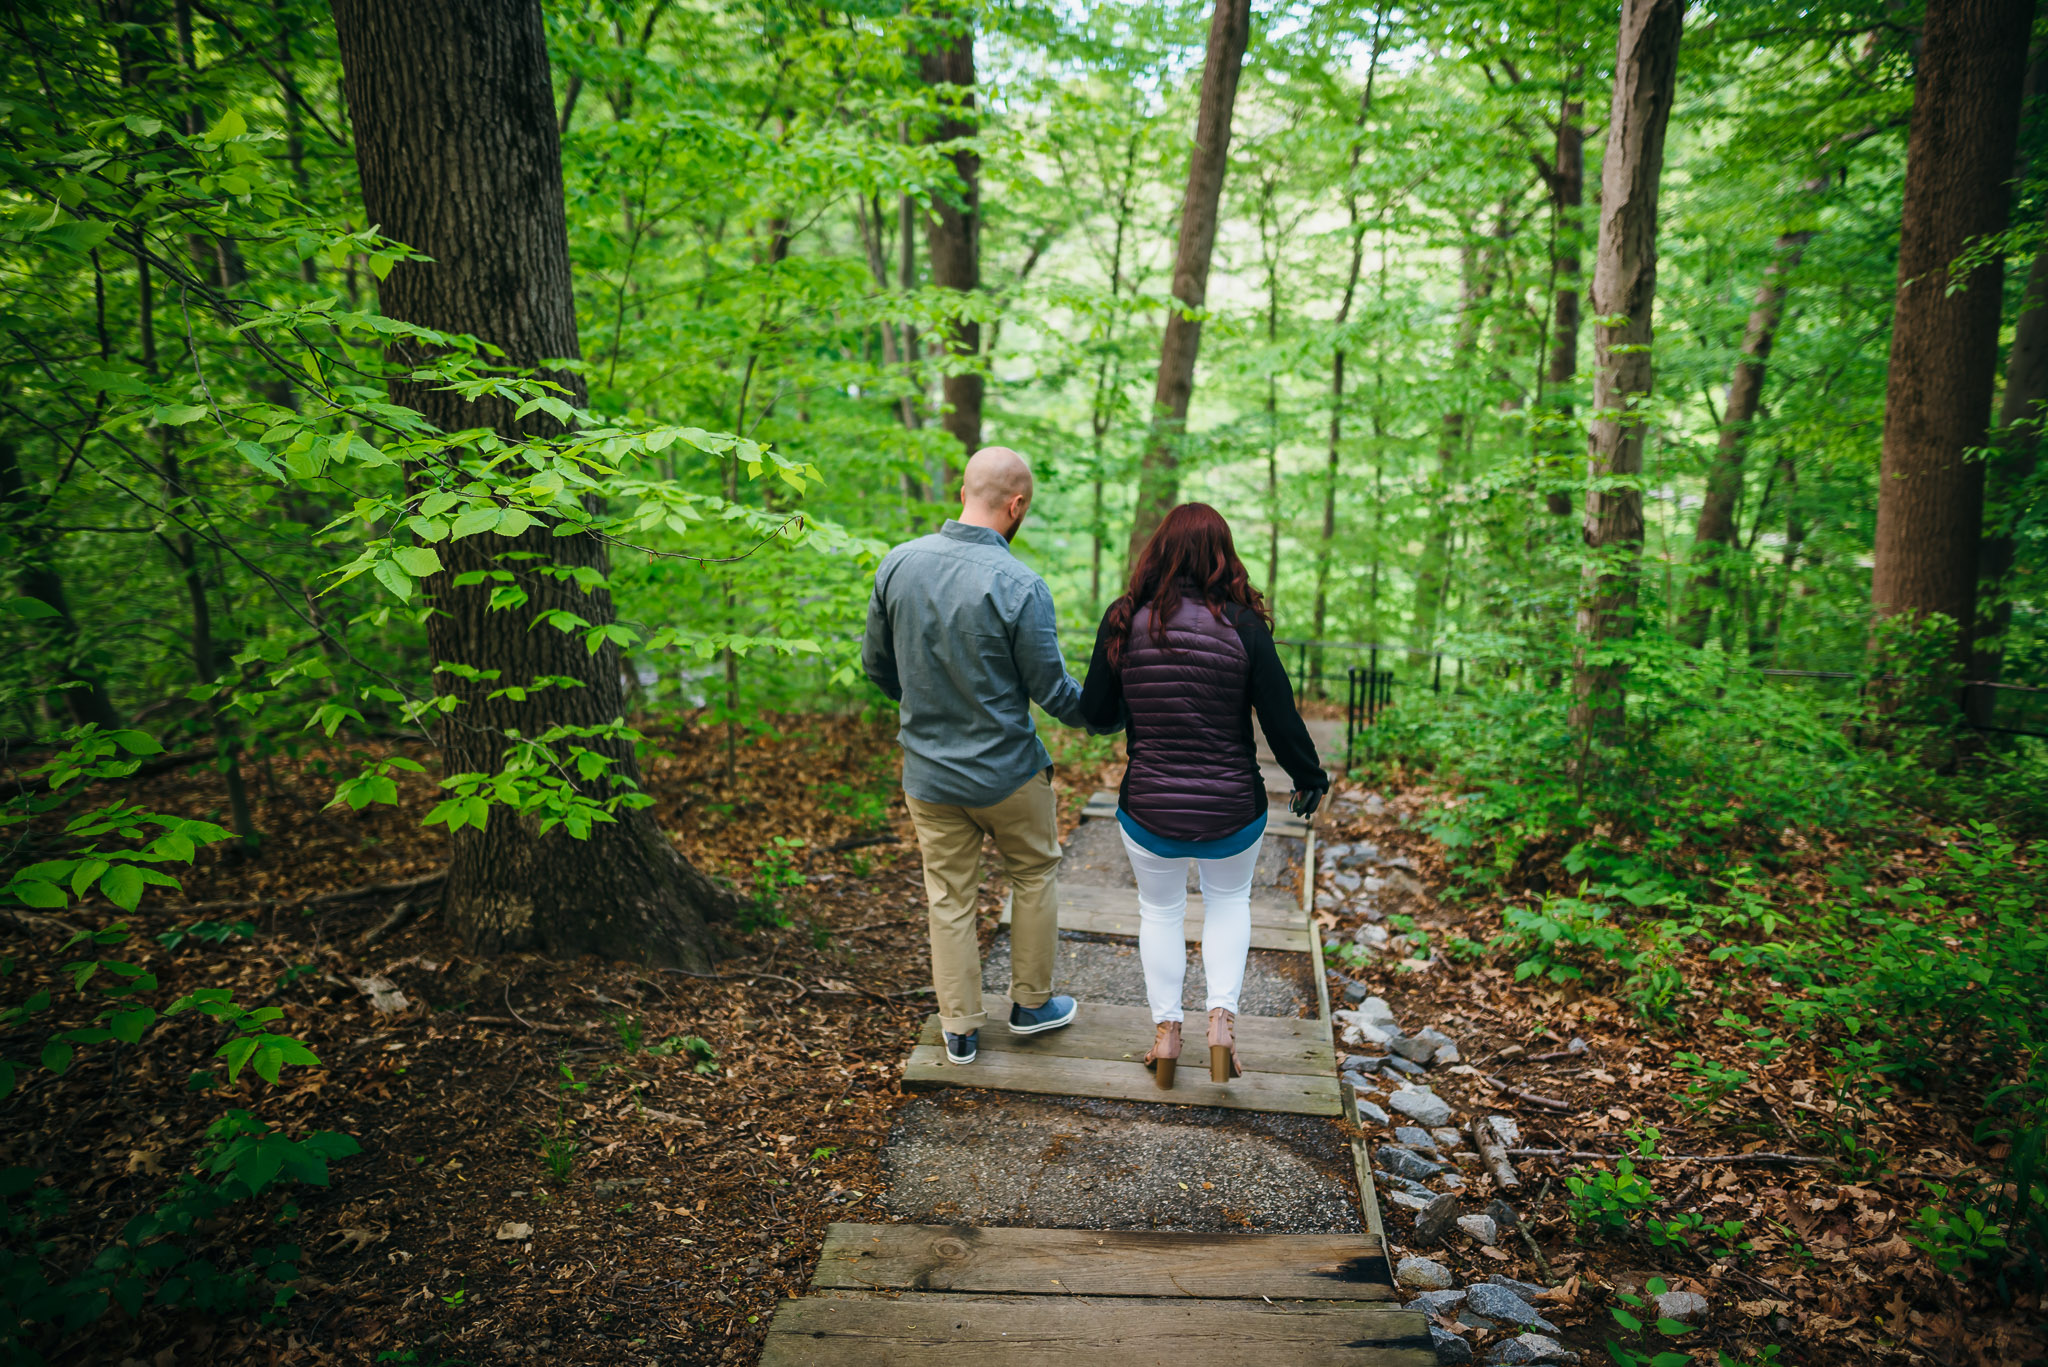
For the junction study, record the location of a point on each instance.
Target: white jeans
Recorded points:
(1162, 912)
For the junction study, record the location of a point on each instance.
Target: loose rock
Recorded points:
(1687, 1307)
(1437, 1302)
(1449, 1347)
(1356, 992)
(1480, 1227)
(512, 1232)
(1531, 1348)
(1415, 1137)
(1503, 1216)
(1408, 1163)
(1436, 1220)
(1503, 1304)
(1425, 1107)
(1408, 1067)
(1526, 1290)
(1373, 1112)
(1422, 1274)
(1447, 1138)
(1376, 1010)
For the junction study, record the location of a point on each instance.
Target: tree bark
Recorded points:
(1714, 533)
(1567, 181)
(1624, 290)
(459, 155)
(1230, 28)
(954, 228)
(2018, 444)
(1959, 155)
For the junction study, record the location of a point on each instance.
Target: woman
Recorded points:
(1187, 655)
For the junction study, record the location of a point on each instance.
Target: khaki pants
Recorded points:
(1025, 827)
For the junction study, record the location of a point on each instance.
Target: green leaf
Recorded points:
(33, 892)
(1671, 1328)
(1626, 1320)
(136, 742)
(419, 561)
(228, 127)
(57, 1057)
(123, 886)
(130, 1026)
(179, 414)
(394, 578)
(77, 235)
(478, 519)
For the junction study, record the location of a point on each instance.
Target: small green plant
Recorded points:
(208, 932)
(1723, 1239)
(775, 875)
(696, 1049)
(1953, 1240)
(1609, 1201)
(558, 1153)
(1711, 1081)
(1633, 1322)
(630, 1031)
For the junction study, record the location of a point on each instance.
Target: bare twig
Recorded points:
(1782, 1159)
(1521, 1094)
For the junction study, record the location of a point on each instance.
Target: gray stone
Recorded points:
(1409, 1200)
(1400, 1183)
(1503, 1304)
(1376, 1010)
(1406, 1066)
(1415, 1048)
(1531, 1348)
(1687, 1307)
(1505, 1129)
(1361, 1085)
(1417, 1104)
(1415, 1137)
(1445, 1057)
(1422, 1274)
(1401, 861)
(1480, 1227)
(1372, 936)
(1356, 992)
(1437, 1302)
(1362, 1063)
(1526, 1290)
(1453, 1181)
(1446, 1137)
(1408, 1163)
(1371, 1111)
(1503, 1216)
(1436, 1220)
(1449, 1347)
(1355, 856)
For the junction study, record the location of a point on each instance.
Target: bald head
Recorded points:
(995, 490)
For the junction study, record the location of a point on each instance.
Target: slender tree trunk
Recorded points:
(1624, 289)
(954, 229)
(1333, 466)
(1477, 276)
(37, 576)
(459, 155)
(1959, 155)
(1765, 646)
(1159, 474)
(1567, 181)
(1714, 534)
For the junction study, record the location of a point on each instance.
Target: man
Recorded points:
(962, 635)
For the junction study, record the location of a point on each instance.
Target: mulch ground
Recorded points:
(1829, 1276)
(571, 1161)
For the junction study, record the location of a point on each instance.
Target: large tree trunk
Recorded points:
(1230, 29)
(2018, 445)
(459, 155)
(1959, 155)
(1624, 289)
(954, 229)
(1714, 533)
(1567, 181)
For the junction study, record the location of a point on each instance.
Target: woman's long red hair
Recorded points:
(1192, 547)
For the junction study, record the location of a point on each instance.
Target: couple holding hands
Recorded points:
(963, 636)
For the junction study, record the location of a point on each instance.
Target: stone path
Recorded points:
(1058, 1207)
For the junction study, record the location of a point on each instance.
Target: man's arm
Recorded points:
(1035, 646)
(878, 643)
(1102, 697)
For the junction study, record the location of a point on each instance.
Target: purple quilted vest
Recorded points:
(1194, 768)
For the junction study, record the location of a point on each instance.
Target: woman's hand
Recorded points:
(1304, 804)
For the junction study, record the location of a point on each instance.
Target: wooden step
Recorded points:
(1277, 923)
(924, 1329)
(1086, 1262)
(1289, 1064)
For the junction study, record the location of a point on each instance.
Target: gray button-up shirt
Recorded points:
(963, 636)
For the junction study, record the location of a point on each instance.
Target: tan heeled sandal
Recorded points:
(1223, 1064)
(1165, 1054)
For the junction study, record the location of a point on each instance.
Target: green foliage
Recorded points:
(778, 871)
(1609, 1202)
(1954, 1240)
(702, 1057)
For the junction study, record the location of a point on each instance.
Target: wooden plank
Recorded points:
(1117, 1034)
(1121, 1080)
(1084, 1262)
(1051, 1331)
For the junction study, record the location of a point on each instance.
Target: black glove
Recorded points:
(1305, 801)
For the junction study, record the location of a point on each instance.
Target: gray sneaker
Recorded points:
(1030, 1020)
(963, 1048)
